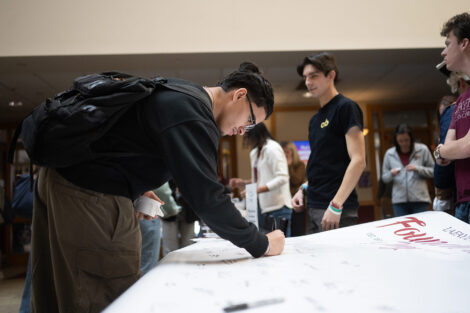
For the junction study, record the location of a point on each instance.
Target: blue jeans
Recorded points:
(400, 209)
(151, 235)
(462, 211)
(26, 298)
(284, 212)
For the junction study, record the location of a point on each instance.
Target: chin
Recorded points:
(451, 67)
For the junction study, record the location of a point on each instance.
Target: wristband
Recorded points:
(303, 187)
(335, 208)
(269, 247)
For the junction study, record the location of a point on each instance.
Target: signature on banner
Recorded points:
(413, 230)
(412, 234)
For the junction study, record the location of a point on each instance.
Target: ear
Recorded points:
(239, 93)
(331, 75)
(465, 43)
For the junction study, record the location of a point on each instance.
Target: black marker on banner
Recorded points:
(245, 306)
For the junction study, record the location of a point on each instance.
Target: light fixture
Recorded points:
(307, 95)
(14, 104)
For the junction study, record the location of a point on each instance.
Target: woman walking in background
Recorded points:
(408, 165)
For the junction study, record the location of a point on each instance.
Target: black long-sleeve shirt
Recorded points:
(173, 135)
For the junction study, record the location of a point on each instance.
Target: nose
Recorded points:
(307, 82)
(444, 52)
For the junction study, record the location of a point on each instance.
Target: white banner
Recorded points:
(416, 263)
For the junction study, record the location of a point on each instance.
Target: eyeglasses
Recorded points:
(252, 118)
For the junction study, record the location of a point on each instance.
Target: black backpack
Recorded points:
(60, 131)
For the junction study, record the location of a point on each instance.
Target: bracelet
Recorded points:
(269, 247)
(335, 208)
(303, 187)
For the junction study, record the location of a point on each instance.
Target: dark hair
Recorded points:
(257, 136)
(259, 88)
(323, 62)
(400, 130)
(459, 25)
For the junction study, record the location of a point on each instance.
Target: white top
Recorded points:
(274, 173)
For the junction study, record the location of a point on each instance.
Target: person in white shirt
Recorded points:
(271, 174)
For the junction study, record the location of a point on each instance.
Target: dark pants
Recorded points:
(86, 247)
(400, 209)
(462, 211)
(274, 219)
(315, 216)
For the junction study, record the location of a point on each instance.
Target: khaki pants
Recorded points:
(86, 247)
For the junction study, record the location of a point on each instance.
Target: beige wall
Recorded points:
(293, 125)
(66, 27)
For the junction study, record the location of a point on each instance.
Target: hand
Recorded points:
(410, 168)
(236, 183)
(276, 242)
(243, 193)
(149, 194)
(298, 201)
(443, 162)
(395, 171)
(330, 220)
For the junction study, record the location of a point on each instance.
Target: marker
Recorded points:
(245, 306)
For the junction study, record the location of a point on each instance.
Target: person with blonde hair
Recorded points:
(296, 166)
(297, 176)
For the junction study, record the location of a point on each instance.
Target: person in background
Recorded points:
(178, 229)
(444, 176)
(151, 230)
(297, 176)
(23, 204)
(337, 146)
(270, 172)
(457, 143)
(408, 164)
(444, 180)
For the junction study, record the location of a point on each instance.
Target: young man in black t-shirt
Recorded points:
(337, 147)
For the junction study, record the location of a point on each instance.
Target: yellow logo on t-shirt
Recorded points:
(325, 123)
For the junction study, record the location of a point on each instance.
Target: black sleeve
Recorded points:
(191, 157)
(350, 115)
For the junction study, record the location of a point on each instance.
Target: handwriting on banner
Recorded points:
(457, 233)
(410, 233)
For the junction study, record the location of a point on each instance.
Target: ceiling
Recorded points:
(367, 76)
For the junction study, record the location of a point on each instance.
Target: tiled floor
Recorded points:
(11, 289)
(10, 294)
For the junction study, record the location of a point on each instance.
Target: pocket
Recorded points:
(104, 275)
(76, 192)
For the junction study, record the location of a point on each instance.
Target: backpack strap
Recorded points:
(189, 89)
